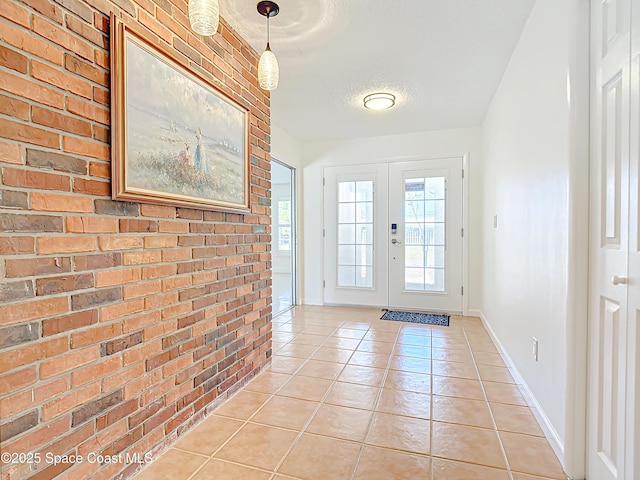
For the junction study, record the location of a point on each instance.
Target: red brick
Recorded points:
(32, 310)
(86, 31)
(140, 258)
(142, 352)
(161, 241)
(28, 134)
(119, 310)
(173, 227)
(14, 108)
(35, 179)
(140, 290)
(149, 273)
(157, 211)
(96, 371)
(86, 70)
(123, 377)
(88, 148)
(60, 79)
(72, 321)
(88, 110)
(28, 89)
(119, 243)
(153, 25)
(118, 413)
(105, 437)
(69, 401)
(117, 277)
(40, 436)
(16, 380)
(67, 244)
(91, 225)
(60, 121)
(139, 385)
(10, 153)
(95, 334)
(69, 361)
(31, 352)
(46, 8)
(60, 203)
(91, 187)
(101, 134)
(140, 321)
(15, 12)
(102, 170)
(62, 284)
(101, 96)
(61, 37)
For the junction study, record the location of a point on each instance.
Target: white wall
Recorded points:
(413, 146)
(535, 170)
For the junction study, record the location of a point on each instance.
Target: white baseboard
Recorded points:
(547, 428)
(311, 301)
(473, 313)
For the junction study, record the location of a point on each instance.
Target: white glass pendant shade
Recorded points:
(379, 101)
(268, 70)
(204, 16)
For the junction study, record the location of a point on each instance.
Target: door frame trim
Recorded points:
(294, 231)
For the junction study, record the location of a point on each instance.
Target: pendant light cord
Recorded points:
(268, 28)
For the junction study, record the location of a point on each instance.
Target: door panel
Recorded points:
(425, 257)
(609, 347)
(355, 207)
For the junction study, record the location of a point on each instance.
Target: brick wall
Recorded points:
(121, 324)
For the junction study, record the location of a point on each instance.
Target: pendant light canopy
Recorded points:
(204, 16)
(268, 70)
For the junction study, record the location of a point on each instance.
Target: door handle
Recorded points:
(395, 241)
(616, 280)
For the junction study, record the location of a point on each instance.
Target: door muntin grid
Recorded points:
(355, 234)
(424, 234)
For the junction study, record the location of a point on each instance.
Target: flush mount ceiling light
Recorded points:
(204, 16)
(379, 101)
(268, 70)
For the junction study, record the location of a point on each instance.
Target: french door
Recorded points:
(393, 235)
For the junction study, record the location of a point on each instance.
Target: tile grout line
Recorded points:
(486, 399)
(375, 404)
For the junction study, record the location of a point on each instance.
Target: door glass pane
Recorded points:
(346, 212)
(355, 234)
(346, 234)
(424, 219)
(283, 238)
(346, 254)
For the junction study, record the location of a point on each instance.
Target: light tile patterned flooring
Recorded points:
(349, 396)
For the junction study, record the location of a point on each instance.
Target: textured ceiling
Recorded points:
(443, 59)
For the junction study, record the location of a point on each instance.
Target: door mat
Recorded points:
(426, 318)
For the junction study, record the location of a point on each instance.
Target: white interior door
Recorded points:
(613, 337)
(425, 257)
(632, 420)
(355, 213)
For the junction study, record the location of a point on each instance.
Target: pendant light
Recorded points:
(204, 16)
(268, 70)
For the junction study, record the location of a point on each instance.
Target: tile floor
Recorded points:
(349, 396)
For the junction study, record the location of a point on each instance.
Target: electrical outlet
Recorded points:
(534, 349)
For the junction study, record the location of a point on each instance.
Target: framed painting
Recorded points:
(176, 138)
